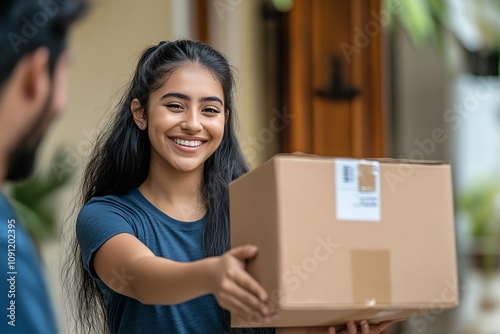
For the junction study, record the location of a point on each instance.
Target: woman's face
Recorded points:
(186, 118)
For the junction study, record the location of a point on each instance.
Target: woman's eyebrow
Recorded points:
(177, 95)
(188, 98)
(211, 99)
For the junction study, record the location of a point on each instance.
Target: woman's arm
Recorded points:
(128, 267)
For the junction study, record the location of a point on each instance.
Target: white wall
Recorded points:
(421, 94)
(236, 29)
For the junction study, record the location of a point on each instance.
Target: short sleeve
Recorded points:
(98, 221)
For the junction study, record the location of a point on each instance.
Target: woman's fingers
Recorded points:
(383, 325)
(242, 254)
(253, 293)
(352, 328)
(235, 289)
(246, 281)
(365, 327)
(234, 305)
(233, 292)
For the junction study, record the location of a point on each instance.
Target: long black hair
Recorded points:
(121, 157)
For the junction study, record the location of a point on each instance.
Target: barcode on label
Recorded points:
(347, 174)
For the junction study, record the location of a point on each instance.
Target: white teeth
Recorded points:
(194, 143)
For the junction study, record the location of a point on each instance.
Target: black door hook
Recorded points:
(337, 90)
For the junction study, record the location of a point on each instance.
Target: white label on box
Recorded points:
(355, 200)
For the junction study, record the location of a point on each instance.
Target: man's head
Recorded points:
(33, 66)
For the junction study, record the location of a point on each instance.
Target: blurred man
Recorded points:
(33, 66)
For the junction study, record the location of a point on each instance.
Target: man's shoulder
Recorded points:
(6, 209)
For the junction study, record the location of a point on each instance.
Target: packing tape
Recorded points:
(371, 283)
(366, 177)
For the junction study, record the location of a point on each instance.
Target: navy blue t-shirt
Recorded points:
(24, 300)
(104, 217)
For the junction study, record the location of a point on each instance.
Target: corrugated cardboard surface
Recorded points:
(321, 270)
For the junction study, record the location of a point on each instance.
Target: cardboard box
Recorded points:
(347, 239)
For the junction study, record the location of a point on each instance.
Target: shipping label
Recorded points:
(357, 190)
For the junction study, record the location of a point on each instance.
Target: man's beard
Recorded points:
(22, 158)
(21, 164)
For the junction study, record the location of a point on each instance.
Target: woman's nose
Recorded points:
(191, 122)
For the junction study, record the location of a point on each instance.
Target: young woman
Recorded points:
(153, 235)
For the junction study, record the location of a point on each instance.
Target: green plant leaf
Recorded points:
(33, 199)
(416, 17)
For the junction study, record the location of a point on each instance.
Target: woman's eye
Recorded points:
(174, 106)
(211, 110)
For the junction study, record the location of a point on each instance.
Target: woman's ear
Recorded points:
(138, 113)
(226, 116)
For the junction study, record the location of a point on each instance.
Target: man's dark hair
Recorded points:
(26, 25)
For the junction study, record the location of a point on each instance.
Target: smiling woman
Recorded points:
(184, 120)
(151, 247)
(152, 239)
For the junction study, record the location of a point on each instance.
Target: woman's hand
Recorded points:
(234, 289)
(362, 328)
(350, 328)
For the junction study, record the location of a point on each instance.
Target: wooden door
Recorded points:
(332, 78)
